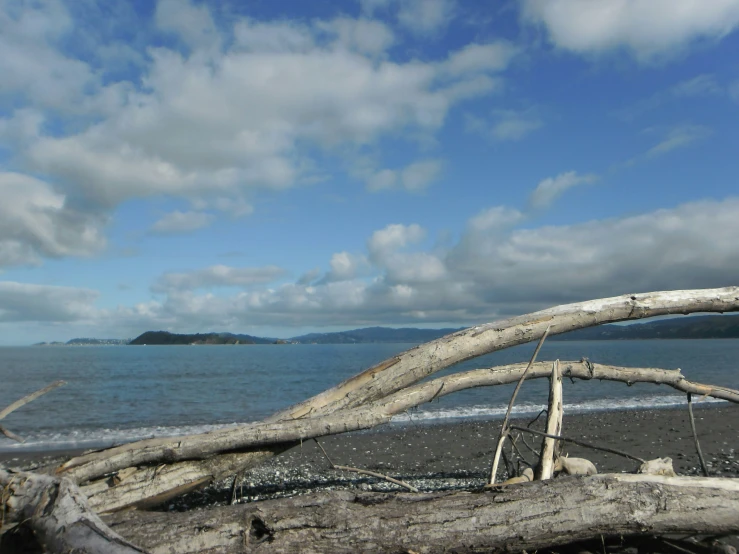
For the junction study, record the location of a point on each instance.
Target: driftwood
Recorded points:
(521, 516)
(555, 413)
(22, 402)
(151, 485)
(59, 515)
(503, 435)
(512, 518)
(413, 365)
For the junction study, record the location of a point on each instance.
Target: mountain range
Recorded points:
(690, 327)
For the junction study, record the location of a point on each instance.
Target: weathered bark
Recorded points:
(58, 514)
(516, 517)
(151, 451)
(150, 485)
(555, 413)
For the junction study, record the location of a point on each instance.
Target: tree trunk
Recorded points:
(58, 514)
(513, 518)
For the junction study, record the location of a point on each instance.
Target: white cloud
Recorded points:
(193, 24)
(505, 125)
(43, 303)
(497, 217)
(475, 58)
(494, 270)
(228, 122)
(182, 222)
(679, 137)
(218, 276)
(551, 188)
(345, 266)
(414, 177)
(363, 35)
(647, 28)
(36, 221)
(31, 64)
(700, 85)
(424, 17)
(507, 271)
(393, 237)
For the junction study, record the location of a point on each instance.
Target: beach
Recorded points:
(457, 454)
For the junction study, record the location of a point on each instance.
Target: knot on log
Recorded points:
(257, 531)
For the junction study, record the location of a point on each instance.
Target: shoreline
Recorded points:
(456, 454)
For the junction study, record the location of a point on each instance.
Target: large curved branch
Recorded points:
(173, 449)
(413, 365)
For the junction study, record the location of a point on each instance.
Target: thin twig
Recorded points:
(364, 471)
(542, 412)
(695, 435)
(527, 445)
(504, 427)
(237, 479)
(30, 398)
(515, 447)
(578, 442)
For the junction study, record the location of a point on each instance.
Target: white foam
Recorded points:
(102, 438)
(494, 412)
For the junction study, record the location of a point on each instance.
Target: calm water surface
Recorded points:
(118, 393)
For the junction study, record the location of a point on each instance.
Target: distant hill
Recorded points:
(165, 337)
(86, 342)
(97, 342)
(689, 327)
(374, 334)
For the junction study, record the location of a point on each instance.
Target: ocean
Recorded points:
(115, 394)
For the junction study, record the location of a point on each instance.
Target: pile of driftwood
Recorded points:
(76, 506)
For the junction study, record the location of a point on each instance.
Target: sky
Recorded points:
(281, 167)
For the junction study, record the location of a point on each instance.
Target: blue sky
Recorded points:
(284, 167)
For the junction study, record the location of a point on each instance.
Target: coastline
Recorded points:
(456, 454)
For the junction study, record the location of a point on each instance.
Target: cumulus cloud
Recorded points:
(36, 221)
(551, 188)
(426, 16)
(188, 132)
(475, 58)
(193, 24)
(181, 222)
(505, 125)
(647, 28)
(21, 302)
(226, 109)
(218, 276)
(495, 269)
(414, 177)
(392, 238)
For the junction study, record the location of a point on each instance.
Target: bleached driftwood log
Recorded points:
(555, 413)
(510, 518)
(413, 365)
(144, 486)
(58, 514)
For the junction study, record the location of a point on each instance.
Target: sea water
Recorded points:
(116, 394)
